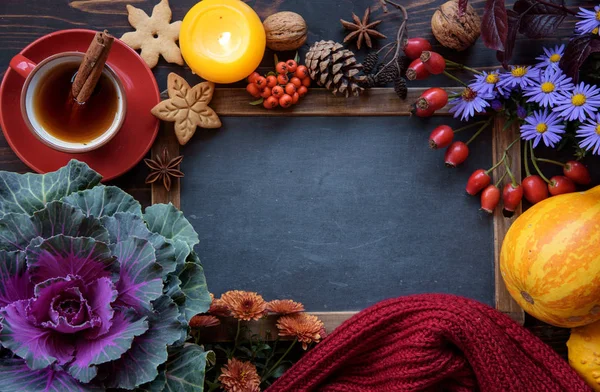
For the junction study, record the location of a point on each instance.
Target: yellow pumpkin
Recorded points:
(550, 259)
(584, 353)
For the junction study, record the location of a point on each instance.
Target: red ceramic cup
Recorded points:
(33, 73)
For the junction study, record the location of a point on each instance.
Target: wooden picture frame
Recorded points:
(375, 102)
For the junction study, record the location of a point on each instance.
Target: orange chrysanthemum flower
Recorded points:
(203, 320)
(239, 376)
(304, 327)
(244, 305)
(284, 306)
(217, 307)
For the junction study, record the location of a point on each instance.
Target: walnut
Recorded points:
(285, 31)
(454, 31)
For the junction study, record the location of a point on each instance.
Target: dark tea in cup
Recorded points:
(62, 117)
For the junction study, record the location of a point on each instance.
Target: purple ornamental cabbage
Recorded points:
(95, 294)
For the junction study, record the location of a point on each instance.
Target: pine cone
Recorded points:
(388, 74)
(400, 88)
(335, 68)
(370, 81)
(370, 62)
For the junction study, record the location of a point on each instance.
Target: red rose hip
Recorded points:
(560, 184)
(456, 154)
(490, 197)
(534, 189)
(417, 71)
(577, 172)
(441, 137)
(434, 62)
(413, 47)
(478, 180)
(435, 98)
(512, 195)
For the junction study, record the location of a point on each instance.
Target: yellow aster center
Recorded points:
(598, 15)
(541, 127)
(548, 87)
(491, 78)
(555, 58)
(595, 31)
(598, 129)
(578, 99)
(518, 71)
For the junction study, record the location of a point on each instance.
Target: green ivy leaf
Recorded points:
(257, 102)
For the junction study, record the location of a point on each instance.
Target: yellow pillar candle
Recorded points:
(223, 41)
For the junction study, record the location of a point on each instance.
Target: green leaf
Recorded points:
(297, 57)
(275, 58)
(27, 193)
(168, 221)
(193, 285)
(104, 201)
(140, 364)
(186, 368)
(257, 102)
(17, 230)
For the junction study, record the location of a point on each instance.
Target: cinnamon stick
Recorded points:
(91, 67)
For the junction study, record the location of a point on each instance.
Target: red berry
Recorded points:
(290, 89)
(296, 81)
(441, 137)
(456, 154)
(577, 172)
(434, 62)
(534, 189)
(277, 91)
(413, 47)
(271, 81)
(281, 68)
(306, 82)
(261, 82)
(478, 180)
(490, 197)
(271, 102)
(282, 79)
(560, 184)
(253, 90)
(291, 65)
(417, 71)
(286, 101)
(422, 112)
(295, 98)
(253, 76)
(302, 91)
(512, 196)
(435, 98)
(266, 93)
(301, 72)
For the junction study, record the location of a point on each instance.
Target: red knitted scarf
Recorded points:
(430, 343)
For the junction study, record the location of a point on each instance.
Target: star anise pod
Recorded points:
(362, 29)
(163, 168)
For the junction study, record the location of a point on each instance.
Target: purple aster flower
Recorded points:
(579, 103)
(549, 87)
(468, 104)
(518, 76)
(521, 112)
(550, 58)
(590, 133)
(497, 105)
(590, 20)
(543, 125)
(485, 84)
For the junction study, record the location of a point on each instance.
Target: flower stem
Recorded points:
(268, 374)
(461, 66)
(237, 335)
(550, 161)
(560, 7)
(504, 157)
(510, 174)
(469, 126)
(484, 126)
(448, 74)
(497, 184)
(534, 161)
(526, 160)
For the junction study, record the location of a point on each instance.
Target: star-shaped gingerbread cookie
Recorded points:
(187, 107)
(154, 35)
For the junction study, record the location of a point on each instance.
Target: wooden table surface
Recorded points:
(21, 22)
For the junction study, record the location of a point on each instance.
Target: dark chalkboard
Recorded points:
(336, 212)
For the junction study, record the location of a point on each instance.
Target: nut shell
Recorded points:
(454, 31)
(285, 31)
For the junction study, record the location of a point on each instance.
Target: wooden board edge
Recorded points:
(502, 138)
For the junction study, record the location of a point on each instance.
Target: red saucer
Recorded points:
(126, 149)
